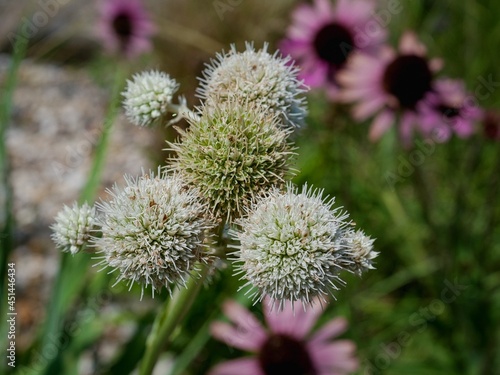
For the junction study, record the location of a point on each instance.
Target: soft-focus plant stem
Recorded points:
(67, 286)
(168, 320)
(6, 216)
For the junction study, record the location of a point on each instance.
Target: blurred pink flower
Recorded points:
(322, 36)
(286, 347)
(390, 85)
(125, 27)
(447, 110)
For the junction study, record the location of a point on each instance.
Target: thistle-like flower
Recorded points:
(292, 245)
(152, 231)
(268, 80)
(148, 97)
(232, 154)
(360, 251)
(73, 227)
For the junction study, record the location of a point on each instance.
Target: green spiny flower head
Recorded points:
(291, 245)
(233, 153)
(152, 230)
(267, 80)
(73, 227)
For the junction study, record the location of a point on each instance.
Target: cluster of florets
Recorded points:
(293, 245)
(229, 170)
(267, 80)
(152, 231)
(73, 227)
(148, 96)
(233, 154)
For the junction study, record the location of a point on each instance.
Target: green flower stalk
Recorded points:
(233, 153)
(153, 231)
(266, 80)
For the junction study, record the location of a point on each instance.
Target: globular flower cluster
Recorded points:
(152, 230)
(360, 251)
(148, 96)
(73, 227)
(229, 169)
(233, 154)
(293, 246)
(267, 80)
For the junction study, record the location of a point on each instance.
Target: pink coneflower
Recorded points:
(322, 36)
(125, 27)
(449, 109)
(286, 347)
(389, 85)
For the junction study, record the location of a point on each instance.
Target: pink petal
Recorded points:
(314, 73)
(335, 358)
(310, 16)
(381, 124)
(323, 7)
(354, 13)
(236, 337)
(368, 107)
(409, 44)
(332, 329)
(352, 94)
(242, 317)
(296, 321)
(406, 128)
(436, 64)
(241, 366)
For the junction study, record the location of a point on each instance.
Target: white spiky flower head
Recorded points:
(359, 251)
(268, 80)
(233, 153)
(289, 245)
(148, 96)
(73, 227)
(152, 231)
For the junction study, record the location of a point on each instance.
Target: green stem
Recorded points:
(6, 216)
(168, 320)
(66, 285)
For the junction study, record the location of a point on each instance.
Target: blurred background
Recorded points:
(432, 306)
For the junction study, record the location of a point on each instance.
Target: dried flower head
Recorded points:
(152, 230)
(232, 154)
(268, 80)
(148, 96)
(73, 227)
(292, 245)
